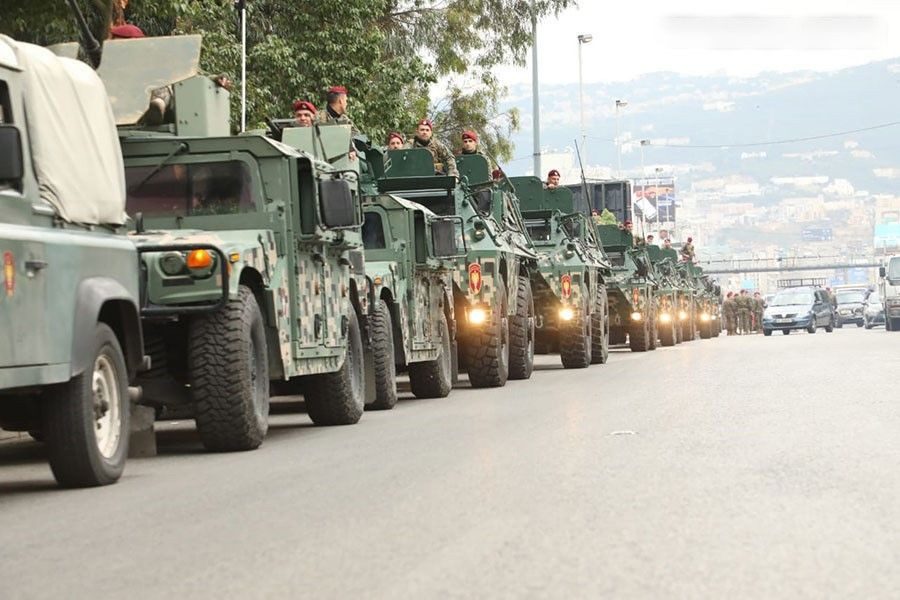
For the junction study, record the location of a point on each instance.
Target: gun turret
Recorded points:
(88, 41)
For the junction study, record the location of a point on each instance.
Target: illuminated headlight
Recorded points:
(704, 317)
(477, 315)
(566, 314)
(714, 317)
(636, 316)
(665, 318)
(682, 315)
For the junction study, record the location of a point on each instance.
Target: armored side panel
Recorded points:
(613, 237)
(202, 108)
(474, 168)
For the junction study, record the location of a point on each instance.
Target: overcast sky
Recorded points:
(634, 37)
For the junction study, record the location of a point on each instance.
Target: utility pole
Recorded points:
(583, 39)
(619, 104)
(535, 99)
(241, 6)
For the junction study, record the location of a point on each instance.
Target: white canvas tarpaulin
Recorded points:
(74, 147)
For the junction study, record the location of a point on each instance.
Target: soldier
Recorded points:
(395, 141)
(304, 113)
(667, 243)
(744, 308)
(650, 239)
(335, 112)
(626, 229)
(552, 180)
(687, 251)
(759, 306)
(596, 218)
(469, 143)
(443, 158)
(728, 311)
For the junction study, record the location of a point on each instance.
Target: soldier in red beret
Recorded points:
(335, 112)
(395, 141)
(126, 31)
(443, 158)
(552, 180)
(469, 143)
(304, 113)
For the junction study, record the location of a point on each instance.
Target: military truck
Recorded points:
(669, 293)
(70, 299)
(710, 307)
(410, 256)
(249, 250)
(631, 288)
(689, 303)
(569, 284)
(491, 285)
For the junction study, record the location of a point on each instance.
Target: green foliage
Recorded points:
(389, 53)
(607, 217)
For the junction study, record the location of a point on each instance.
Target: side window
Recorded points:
(6, 115)
(373, 232)
(421, 245)
(217, 188)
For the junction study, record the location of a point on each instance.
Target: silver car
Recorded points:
(873, 311)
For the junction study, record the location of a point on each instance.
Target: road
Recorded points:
(735, 467)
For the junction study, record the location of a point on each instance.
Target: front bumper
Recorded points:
(787, 323)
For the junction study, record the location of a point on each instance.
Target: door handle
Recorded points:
(35, 265)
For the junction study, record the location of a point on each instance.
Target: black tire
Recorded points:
(687, 329)
(767, 332)
(676, 326)
(639, 336)
(839, 324)
(575, 340)
(434, 378)
(786, 331)
(600, 334)
(812, 326)
(381, 338)
(338, 398)
(617, 335)
(830, 327)
(705, 330)
(521, 333)
(859, 323)
(654, 328)
(667, 335)
(70, 423)
(895, 324)
(487, 350)
(228, 364)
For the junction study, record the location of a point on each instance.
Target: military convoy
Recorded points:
(272, 261)
(569, 284)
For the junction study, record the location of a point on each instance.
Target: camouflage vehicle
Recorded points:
(710, 308)
(633, 304)
(693, 311)
(491, 285)
(669, 294)
(410, 257)
(569, 290)
(69, 299)
(251, 253)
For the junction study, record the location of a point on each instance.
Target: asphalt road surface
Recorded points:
(735, 467)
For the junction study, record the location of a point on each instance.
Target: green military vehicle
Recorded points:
(491, 285)
(669, 294)
(632, 291)
(569, 285)
(710, 308)
(410, 256)
(251, 252)
(69, 299)
(689, 302)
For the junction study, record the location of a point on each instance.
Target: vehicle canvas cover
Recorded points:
(74, 145)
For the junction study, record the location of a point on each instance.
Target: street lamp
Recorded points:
(619, 104)
(584, 38)
(535, 100)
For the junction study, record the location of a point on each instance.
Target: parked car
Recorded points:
(850, 304)
(873, 311)
(798, 308)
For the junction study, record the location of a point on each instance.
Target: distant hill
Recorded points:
(717, 110)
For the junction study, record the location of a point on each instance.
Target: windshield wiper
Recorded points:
(182, 147)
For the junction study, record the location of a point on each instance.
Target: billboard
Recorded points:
(887, 224)
(655, 198)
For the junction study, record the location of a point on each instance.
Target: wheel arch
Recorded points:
(105, 300)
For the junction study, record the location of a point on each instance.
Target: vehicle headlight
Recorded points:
(704, 317)
(566, 314)
(635, 316)
(665, 318)
(682, 315)
(477, 315)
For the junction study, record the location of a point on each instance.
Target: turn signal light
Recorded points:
(199, 259)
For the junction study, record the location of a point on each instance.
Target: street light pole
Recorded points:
(619, 104)
(535, 100)
(582, 40)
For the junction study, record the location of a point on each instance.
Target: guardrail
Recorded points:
(791, 263)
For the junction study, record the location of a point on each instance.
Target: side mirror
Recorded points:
(338, 206)
(443, 238)
(882, 271)
(11, 166)
(484, 202)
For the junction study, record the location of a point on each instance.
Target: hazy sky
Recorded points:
(701, 36)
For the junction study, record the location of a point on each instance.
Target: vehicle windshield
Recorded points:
(180, 190)
(791, 298)
(538, 229)
(850, 297)
(893, 271)
(373, 232)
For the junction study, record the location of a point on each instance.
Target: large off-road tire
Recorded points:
(600, 330)
(617, 335)
(229, 373)
(639, 336)
(676, 326)
(434, 378)
(575, 340)
(654, 328)
(338, 398)
(487, 350)
(688, 331)
(381, 338)
(705, 330)
(521, 333)
(667, 334)
(85, 421)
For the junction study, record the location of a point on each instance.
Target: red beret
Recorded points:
(470, 135)
(337, 89)
(393, 135)
(552, 173)
(690, 240)
(304, 105)
(126, 31)
(627, 222)
(497, 174)
(426, 122)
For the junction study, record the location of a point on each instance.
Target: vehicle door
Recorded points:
(821, 308)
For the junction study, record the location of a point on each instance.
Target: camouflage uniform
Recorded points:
(744, 303)
(729, 312)
(443, 158)
(687, 252)
(329, 117)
